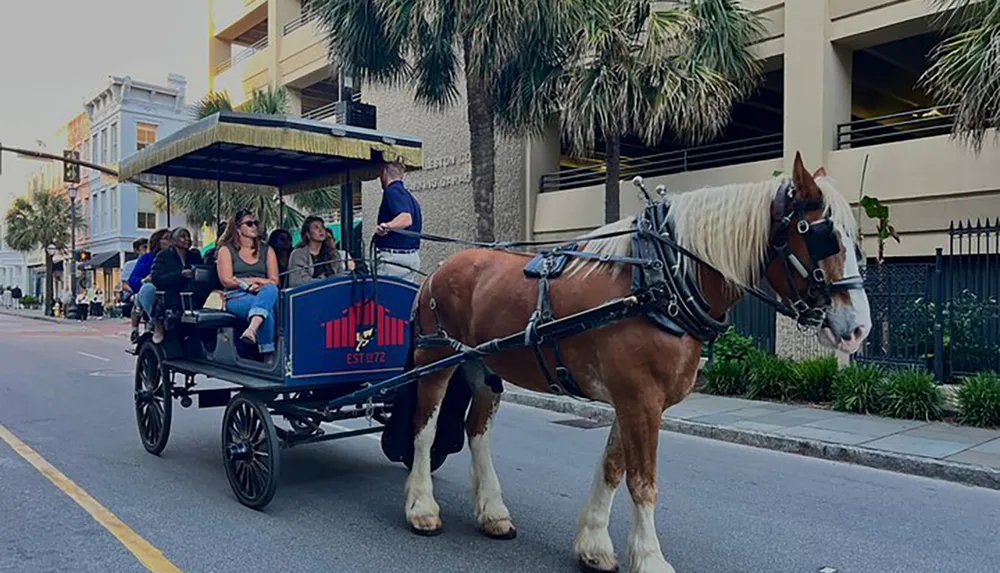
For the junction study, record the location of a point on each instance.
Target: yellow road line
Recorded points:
(148, 555)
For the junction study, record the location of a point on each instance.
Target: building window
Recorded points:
(114, 209)
(146, 211)
(114, 142)
(104, 211)
(94, 157)
(105, 158)
(145, 134)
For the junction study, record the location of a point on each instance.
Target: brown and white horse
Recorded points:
(639, 369)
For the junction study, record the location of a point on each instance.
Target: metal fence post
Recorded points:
(937, 289)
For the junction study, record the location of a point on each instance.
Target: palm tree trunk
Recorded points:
(49, 285)
(482, 150)
(612, 170)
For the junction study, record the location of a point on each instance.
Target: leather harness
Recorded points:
(678, 306)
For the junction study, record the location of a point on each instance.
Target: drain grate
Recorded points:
(582, 423)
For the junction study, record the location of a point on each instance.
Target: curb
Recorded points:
(967, 474)
(41, 317)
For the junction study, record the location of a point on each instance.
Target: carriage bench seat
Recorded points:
(211, 318)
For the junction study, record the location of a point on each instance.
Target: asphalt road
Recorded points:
(65, 391)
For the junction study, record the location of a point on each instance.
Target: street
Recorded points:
(66, 393)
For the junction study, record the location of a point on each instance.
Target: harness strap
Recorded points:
(562, 383)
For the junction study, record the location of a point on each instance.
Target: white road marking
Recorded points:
(828, 570)
(94, 356)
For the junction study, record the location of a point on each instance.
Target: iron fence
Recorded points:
(943, 316)
(751, 317)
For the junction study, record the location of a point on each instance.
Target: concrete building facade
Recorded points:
(842, 89)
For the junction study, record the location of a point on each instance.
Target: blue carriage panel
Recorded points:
(345, 330)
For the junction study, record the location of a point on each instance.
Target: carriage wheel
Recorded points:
(250, 450)
(152, 399)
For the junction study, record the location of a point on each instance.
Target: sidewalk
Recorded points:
(939, 450)
(36, 314)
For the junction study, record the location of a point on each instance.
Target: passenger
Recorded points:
(173, 271)
(139, 282)
(316, 257)
(280, 241)
(248, 270)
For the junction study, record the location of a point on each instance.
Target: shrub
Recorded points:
(725, 378)
(816, 378)
(770, 377)
(913, 395)
(860, 388)
(979, 400)
(732, 346)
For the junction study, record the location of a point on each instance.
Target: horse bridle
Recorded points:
(821, 240)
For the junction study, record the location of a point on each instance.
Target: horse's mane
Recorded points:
(727, 226)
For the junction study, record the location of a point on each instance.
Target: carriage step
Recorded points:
(212, 371)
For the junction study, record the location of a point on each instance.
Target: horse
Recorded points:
(736, 236)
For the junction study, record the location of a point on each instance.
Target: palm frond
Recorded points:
(269, 100)
(212, 103)
(365, 38)
(965, 68)
(41, 219)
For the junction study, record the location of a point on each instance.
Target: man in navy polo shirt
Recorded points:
(398, 254)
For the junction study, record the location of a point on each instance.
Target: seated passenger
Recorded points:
(248, 270)
(280, 241)
(173, 271)
(139, 281)
(316, 257)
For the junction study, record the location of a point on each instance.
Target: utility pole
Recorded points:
(71, 176)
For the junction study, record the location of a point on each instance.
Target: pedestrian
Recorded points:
(16, 295)
(398, 254)
(8, 300)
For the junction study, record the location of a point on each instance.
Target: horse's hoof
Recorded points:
(502, 529)
(426, 526)
(426, 532)
(593, 567)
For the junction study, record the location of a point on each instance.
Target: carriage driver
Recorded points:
(398, 254)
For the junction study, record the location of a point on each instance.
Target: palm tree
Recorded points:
(41, 219)
(199, 202)
(965, 68)
(636, 70)
(436, 46)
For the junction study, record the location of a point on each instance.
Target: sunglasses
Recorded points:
(250, 223)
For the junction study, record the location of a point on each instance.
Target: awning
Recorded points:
(106, 260)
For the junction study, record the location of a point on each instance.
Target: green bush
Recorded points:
(979, 400)
(725, 378)
(770, 377)
(732, 346)
(860, 388)
(912, 395)
(816, 378)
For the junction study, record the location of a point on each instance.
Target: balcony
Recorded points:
(903, 126)
(233, 17)
(352, 113)
(305, 18)
(244, 72)
(691, 159)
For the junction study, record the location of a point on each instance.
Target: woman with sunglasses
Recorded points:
(248, 270)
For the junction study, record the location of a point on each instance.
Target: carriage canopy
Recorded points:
(290, 154)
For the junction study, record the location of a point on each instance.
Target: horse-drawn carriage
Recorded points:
(565, 320)
(335, 337)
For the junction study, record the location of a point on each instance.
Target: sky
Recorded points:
(56, 53)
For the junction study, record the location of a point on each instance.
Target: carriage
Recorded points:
(336, 338)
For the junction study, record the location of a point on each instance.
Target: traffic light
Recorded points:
(71, 171)
(82, 256)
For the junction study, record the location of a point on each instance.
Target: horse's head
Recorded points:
(814, 263)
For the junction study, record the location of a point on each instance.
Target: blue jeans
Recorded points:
(262, 304)
(146, 297)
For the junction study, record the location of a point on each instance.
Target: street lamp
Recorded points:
(71, 310)
(50, 280)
